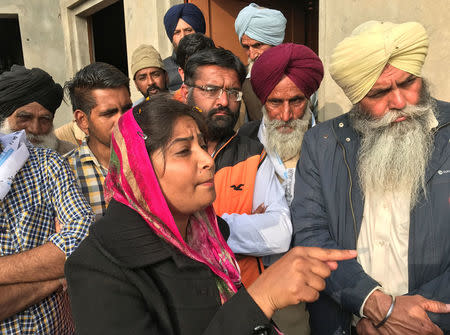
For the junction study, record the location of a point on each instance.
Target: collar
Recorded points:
(126, 239)
(86, 154)
(222, 144)
(443, 116)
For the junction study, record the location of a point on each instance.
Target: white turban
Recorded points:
(358, 61)
(261, 24)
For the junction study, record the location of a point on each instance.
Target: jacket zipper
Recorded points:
(344, 153)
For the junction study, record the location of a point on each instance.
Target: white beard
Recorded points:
(285, 145)
(394, 156)
(43, 141)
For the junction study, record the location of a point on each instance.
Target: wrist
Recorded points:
(262, 302)
(377, 306)
(388, 314)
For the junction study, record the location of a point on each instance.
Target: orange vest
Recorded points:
(237, 162)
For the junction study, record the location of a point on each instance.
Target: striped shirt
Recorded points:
(90, 176)
(43, 190)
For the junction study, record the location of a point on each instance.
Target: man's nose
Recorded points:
(286, 111)
(34, 127)
(223, 99)
(253, 53)
(396, 99)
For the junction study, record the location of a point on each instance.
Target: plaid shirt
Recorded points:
(90, 176)
(43, 190)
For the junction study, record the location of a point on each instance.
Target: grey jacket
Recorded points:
(327, 211)
(171, 68)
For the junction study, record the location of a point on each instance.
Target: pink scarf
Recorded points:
(131, 180)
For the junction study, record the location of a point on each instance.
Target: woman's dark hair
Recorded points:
(157, 118)
(219, 57)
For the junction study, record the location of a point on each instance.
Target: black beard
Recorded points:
(153, 87)
(220, 127)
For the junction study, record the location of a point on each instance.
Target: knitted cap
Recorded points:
(145, 56)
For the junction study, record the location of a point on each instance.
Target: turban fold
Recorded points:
(261, 24)
(358, 61)
(296, 61)
(21, 86)
(145, 56)
(189, 13)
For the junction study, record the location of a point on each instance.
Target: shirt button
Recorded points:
(341, 124)
(348, 139)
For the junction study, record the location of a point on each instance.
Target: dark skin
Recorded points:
(28, 277)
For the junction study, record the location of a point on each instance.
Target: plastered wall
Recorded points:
(54, 37)
(42, 40)
(54, 34)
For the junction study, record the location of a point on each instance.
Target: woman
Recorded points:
(157, 262)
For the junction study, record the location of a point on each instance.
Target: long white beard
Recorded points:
(394, 156)
(285, 145)
(43, 141)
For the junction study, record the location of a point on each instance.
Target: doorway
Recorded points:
(107, 40)
(11, 51)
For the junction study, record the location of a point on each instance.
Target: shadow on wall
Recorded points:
(329, 111)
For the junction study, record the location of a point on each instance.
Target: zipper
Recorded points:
(344, 153)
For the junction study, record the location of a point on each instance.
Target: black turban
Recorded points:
(21, 86)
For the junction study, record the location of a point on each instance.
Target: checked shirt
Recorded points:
(90, 175)
(43, 190)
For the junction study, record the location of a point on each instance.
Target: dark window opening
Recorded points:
(108, 36)
(11, 43)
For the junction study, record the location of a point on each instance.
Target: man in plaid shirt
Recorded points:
(99, 94)
(43, 218)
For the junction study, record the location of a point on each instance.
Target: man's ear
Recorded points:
(184, 90)
(82, 120)
(181, 72)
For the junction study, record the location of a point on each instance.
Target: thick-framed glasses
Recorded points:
(215, 92)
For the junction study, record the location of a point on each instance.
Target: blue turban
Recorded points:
(189, 13)
(261, 24)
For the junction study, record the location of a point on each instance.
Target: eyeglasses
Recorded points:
(215, 92)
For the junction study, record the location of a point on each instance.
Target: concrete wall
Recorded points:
(54, 34)
(42, 40)
(338, 18)
(54, 37)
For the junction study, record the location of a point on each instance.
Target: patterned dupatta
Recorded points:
(131, 180)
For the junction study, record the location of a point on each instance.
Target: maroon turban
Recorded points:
(296, 61)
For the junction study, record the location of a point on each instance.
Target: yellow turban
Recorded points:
(358, 61)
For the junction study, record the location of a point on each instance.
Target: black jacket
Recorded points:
(124, 279)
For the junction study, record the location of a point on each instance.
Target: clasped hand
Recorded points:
(408, 317)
